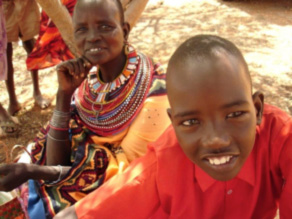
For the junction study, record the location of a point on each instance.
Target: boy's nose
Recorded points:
(215, 138)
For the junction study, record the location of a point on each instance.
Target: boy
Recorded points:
(22, 21)
(226, 155)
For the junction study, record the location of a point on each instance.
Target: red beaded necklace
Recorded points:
(108, 108)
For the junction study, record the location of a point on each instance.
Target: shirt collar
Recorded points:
(247, 174)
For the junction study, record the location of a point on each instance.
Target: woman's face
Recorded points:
(98, 30)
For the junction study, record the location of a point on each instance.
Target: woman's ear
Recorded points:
(126, 30)
(258, 101)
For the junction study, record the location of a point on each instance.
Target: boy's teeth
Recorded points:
(219, 160)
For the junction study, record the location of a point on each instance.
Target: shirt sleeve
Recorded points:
(150, 123)
(132, 194)
(285, 161)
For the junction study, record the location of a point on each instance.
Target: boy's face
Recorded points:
(214, 114)
(98, 32)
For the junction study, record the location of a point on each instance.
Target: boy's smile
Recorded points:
(214, 113)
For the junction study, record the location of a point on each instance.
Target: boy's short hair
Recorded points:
(202, 47)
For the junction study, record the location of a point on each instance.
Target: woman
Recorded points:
(117, 108)
(50, 48)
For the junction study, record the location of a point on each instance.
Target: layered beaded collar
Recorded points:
(97, 86)
(107, 108)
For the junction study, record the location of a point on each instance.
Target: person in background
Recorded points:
(8, 124)
(50, 48)
(22, 22)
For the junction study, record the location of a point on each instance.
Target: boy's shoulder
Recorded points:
(274, 134)
(275, 112)
(167, 150)
(166, 141)
(273, 119)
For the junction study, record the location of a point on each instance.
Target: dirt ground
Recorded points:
(262, 29)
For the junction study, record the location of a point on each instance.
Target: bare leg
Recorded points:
(14, 106)
(7, 123)
(39, 99)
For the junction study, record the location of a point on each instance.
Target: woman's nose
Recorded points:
(93, 35)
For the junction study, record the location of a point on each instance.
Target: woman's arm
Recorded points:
(13, 175)
(133, 10)
(70, 75)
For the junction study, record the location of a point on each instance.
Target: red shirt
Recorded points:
(166, 184)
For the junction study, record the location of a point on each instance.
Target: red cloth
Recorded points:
(165, 184)
(49, 49)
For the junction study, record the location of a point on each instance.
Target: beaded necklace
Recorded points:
(107, 108)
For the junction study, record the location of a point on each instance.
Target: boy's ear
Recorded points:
(258, 101)
(169, 114)
(126, 29)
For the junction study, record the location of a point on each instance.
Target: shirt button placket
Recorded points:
(229, 191)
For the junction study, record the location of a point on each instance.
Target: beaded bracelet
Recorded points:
(60, 175)
(55, 139)
(60, 120)
(58, 128)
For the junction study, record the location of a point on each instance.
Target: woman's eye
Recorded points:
(80, 29)
(235, 114)
(105, 27)
(190, 122)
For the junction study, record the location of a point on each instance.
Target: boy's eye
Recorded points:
(235, 114)
(190, 122)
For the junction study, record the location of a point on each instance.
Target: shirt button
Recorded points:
(229, 192)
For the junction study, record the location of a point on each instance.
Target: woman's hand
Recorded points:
(13, 175)
(71, 74)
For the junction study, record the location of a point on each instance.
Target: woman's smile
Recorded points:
(94, 51)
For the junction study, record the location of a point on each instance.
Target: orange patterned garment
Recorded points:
(49, 49)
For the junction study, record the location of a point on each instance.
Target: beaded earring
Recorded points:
(126, 49)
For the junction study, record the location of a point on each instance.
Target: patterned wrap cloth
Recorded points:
(3, 45)
(50, 49)
(97, 152)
